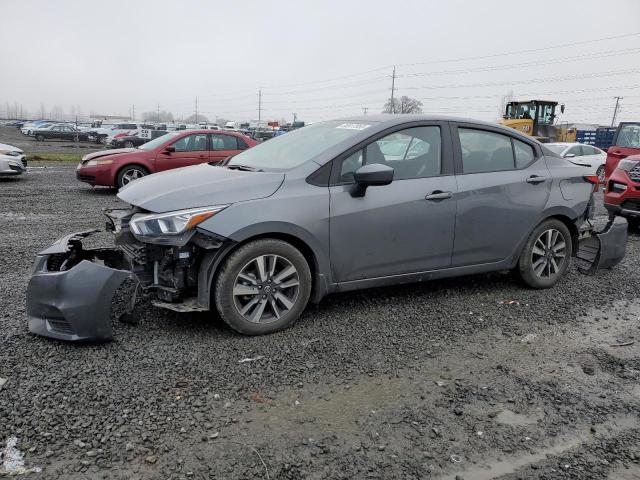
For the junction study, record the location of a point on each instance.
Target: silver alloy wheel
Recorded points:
(600, 173)
(549, 253)
(131, 175)
(128, 144)
(266, 288)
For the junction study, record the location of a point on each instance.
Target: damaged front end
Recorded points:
(70, 293)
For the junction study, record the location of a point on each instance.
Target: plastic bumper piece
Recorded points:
(73, 302)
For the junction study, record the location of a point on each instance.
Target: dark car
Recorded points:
(128, 141)
(59, 132)
(333, 207)
(118, 167)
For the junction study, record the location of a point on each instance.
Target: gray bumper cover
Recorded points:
(73, 304)
(607, 248)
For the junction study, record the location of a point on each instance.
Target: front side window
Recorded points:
(575, 150)
(629, 136)
(484, 151)
(412, 153)
(191, 143)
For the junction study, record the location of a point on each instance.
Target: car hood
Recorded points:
(104, 153)
(9, 148)
(199, 186)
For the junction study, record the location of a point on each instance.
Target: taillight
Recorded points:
(594, 180)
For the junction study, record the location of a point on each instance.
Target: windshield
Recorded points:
(297, 147)
(556, 148)
(629, 136)
(162, 139)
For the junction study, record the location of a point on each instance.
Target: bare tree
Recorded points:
(153, 116)
(42, 112)
(403, 104)
(193, 118)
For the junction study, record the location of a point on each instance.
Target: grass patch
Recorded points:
(55, 157)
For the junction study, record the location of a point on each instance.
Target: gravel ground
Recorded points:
(471, 378)
(13, 136)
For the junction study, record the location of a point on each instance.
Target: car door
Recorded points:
(189, 150)
(223, 146)
(404, 227)
(67, 133)
(503, 188)
(625, 143)
(56, 132)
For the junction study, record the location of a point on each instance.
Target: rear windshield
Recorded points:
(629, 136)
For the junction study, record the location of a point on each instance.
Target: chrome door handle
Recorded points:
(536, 179)
(438, 195)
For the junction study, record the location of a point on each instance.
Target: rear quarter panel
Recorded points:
(570, 193)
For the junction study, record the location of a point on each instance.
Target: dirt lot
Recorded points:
(471, 378)
(13, 136)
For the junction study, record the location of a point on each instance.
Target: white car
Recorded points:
(12, 160)
(101, 135)
(28, 128)
(581, 153)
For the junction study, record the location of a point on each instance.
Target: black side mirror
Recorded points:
(372, 175)
(169, 149)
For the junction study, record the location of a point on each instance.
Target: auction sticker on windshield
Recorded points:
(353, 126)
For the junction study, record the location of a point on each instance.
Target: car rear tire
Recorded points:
(128, 144)
(546, 255)
(263, 287)
(40, 138)
(600, 173)
(130, 173)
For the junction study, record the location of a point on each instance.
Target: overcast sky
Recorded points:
(320, 59)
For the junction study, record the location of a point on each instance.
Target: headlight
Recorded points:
(170, 228)
(10, 153)
(628, 165)
(94, 163)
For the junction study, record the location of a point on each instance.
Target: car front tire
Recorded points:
(40, 138)
(263, 287)
(129, 174)
(546, 255)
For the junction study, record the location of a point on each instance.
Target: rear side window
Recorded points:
(484, 151)
(524, 153)
(224, 142)
(629, 136)
(576, 150)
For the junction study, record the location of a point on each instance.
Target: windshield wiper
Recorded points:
(244, 168)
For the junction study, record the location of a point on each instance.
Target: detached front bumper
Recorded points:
(71, 290)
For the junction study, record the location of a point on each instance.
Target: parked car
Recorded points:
(140, 137)
(99, 135)
(59, 131)
(12, 160)
(622, 191)
(322, 209)
(584, 154)
(29, 128)
(116, 168)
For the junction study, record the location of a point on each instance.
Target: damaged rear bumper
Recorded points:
(70, 293)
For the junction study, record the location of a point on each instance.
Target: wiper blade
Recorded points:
(244, 168)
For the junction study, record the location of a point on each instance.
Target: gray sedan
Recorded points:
(332, 207)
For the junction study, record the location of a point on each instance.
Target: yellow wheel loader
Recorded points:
(536, 118)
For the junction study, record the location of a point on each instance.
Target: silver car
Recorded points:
(12, 161)
(332, 207)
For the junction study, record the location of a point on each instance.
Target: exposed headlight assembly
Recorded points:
(171, 228)
(11, 153)
(628, 165)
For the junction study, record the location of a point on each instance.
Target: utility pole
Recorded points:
(158, 113)
(615, 110)
(259, 108)
(364, 110)
(133, 112)
(393, 88)
(295, 117)
(196, 110)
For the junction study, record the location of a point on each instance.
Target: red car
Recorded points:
(622, 171)
(116, 168)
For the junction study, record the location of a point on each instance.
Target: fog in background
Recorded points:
(318, 59)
